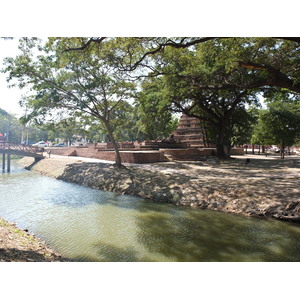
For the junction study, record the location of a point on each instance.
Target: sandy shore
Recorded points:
(267, 186)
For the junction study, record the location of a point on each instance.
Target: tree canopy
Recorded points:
(279, 125)
(212, 79)
(67, 83)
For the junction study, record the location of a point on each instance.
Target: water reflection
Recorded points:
(213, 236)
(89, 225)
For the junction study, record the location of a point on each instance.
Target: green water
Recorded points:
(89, 225)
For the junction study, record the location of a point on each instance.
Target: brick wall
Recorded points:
(187, 154)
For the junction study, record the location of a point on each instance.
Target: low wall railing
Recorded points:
(19, 147)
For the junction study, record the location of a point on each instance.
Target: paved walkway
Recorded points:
(85, 159)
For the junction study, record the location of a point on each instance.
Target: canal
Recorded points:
(91, 225)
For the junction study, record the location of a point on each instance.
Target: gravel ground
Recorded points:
(266, 186)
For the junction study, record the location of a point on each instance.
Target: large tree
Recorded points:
(189, 85)
(155, 119)
(124, 122)
(67, 130)
(272, 61)
(65, 83)
(211, 79)
(10, 126)
(279, 125)
(205, 73)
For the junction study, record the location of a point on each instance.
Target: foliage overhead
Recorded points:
(66, 83)
(212, 79)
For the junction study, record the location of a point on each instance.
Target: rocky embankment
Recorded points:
(19, 246)
(267, 187)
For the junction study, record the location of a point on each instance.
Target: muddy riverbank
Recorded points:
(267, 186)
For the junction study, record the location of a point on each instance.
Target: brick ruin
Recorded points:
(187, 142)
(192, 132)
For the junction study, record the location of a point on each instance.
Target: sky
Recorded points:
(9, 97)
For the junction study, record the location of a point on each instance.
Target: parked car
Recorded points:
(59, 145)
(40, 144)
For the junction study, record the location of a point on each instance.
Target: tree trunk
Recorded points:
(221, 151)
(253, 147)
(220, 143)
(117, 152)
(282, 151)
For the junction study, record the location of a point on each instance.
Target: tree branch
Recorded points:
(86, 45)
(277, 78)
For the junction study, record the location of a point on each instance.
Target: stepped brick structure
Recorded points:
(191, 131)
(187, 142)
